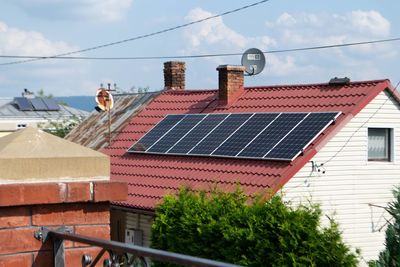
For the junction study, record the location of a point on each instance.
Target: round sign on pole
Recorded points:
(104, 99)
(253, 60)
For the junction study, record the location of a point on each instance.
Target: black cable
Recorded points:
(202, 55)
(139, 36)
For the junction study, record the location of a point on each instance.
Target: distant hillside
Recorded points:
(80, 102)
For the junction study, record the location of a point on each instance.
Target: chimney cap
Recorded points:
(231, 67)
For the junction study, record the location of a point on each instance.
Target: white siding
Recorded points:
(140, 222)
(351, 189)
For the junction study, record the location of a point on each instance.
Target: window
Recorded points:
(379, 144)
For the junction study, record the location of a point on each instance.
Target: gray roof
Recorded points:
(10, 110)
(93, 131)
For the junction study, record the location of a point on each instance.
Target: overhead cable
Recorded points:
(137, 37)
(201, 55)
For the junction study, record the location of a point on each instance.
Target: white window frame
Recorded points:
(391, 146)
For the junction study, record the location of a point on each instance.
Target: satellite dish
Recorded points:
(104, 100)
(253, 60)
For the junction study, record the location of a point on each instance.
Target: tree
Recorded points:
(231, 227)
(390, 256)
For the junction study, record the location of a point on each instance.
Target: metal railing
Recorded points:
(120, 254)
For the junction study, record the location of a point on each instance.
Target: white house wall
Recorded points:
(353, 190)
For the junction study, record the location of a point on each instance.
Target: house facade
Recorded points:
(350, 168)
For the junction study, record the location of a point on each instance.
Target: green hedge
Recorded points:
(224, 226)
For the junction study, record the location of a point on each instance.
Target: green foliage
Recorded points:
(60, 128)
(224, 226)
(390, 257)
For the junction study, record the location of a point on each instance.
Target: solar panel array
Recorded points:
(37, 104)
(274, 136)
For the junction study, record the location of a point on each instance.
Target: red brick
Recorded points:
(73, 257)
(78, 192)
(20, 260)
(27, 194)
(70, 214)
(110, 191)
(14, 217)
(20, 240)
(102, 232)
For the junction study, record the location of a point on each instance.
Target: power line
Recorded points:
(31, 58)
(139, 36)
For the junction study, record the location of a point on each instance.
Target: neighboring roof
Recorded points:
(152, 176)
(31, 153)
(10, 110)
(93, 131)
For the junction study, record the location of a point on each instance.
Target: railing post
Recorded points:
(59, 257)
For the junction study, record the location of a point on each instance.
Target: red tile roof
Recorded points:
(152, 176)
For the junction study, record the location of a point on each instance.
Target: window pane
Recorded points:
(378, 143)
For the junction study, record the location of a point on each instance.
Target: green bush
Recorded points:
(232, 228)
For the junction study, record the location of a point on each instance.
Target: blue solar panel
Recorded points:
(301, 136)
(51, 104)
(219, 134)
(197, 134)
(156, 133)
(38, 104)
(23, 103)
(176, 133)
(268, 138)
(273, 136)
(247, 132)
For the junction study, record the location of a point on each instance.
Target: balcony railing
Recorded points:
(120, 254)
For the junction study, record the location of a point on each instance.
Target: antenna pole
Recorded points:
(109, 127)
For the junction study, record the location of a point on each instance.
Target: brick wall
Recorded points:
(230, 83)
(174, 75)
(83, 206)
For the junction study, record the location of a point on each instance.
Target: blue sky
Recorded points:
(48, 27)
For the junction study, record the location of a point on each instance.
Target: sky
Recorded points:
(49, 27)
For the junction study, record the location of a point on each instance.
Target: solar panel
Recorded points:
(301, 136)
(219, 134)
(23, 103)
(51, 104)
(267, 139)
(156, 133)
(247, 132)
(198, 133)
(176, 133)
(272, 136)
(38, 104)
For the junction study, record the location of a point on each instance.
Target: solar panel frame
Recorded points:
(212, 120)
(244, 134)
(175, 118)
(334, 116)
(237, 156)
(23, 104)
(164, 144)
(51, 104)
(208, 146)
(38, 104)
(272, 134)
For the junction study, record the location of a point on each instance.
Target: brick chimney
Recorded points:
(174, 75)
(231, 80)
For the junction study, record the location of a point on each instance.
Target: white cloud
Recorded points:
(211, 31)
(371, 22)
(294, 30)
(93, 10)
(59, 77)
(14, 41)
